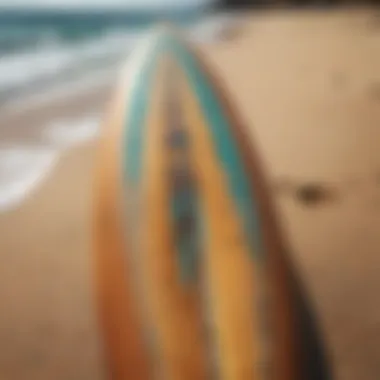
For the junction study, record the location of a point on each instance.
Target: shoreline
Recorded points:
(27, 122)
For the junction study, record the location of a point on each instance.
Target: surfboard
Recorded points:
(193, 275)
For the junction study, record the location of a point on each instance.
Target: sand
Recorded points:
(308, 85)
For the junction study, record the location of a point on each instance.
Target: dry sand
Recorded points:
(309, 85)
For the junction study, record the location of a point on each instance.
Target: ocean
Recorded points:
(40, 49)
(48, 54)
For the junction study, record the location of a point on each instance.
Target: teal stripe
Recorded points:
(136, 119)
(225, 143)
(132, 151)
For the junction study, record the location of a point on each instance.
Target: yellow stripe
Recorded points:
(228, 265)
(174, 309)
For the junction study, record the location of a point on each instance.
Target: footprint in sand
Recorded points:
(308, 194)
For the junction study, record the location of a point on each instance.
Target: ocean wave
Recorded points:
(63, 90)
(53, 62)
(19, 71)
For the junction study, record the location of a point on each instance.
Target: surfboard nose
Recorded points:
(154, 42)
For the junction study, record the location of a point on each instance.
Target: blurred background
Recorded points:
(305, 76)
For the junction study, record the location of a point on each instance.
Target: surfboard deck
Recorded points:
(193, 276)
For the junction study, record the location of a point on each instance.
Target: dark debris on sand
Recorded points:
(312, 194)
(308, 194)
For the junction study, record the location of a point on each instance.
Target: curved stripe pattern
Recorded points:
(170, 310)
(225, 143)
(183, 203)
(220, 136)
(184, 212)
(136, 121)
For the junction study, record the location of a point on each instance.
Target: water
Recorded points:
(50, 54)
(40, 49)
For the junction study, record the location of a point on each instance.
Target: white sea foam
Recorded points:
(64, 90)
(65, 133)
(24, 168)
(25, 67)
(50, 65)
(21, 170)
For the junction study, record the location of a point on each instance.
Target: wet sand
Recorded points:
(308, 86)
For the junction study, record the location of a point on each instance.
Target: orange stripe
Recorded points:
(228, 265)
(120, 322)
(174, 308)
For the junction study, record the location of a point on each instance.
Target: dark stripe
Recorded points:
(183, 198)
(225, 144)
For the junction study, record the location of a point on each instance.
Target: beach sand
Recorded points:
(308, 85)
